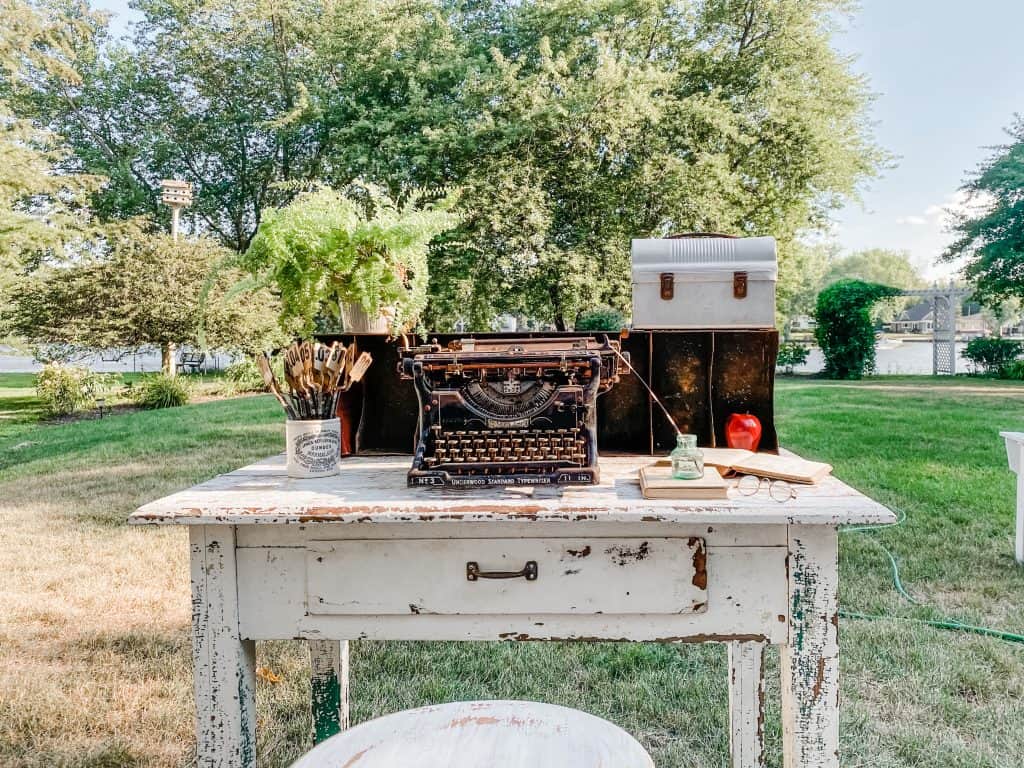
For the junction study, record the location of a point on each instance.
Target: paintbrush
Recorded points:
(263, 362)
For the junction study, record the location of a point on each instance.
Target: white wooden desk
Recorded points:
(360, 555)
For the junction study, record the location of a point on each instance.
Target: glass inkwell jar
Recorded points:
(687, 459)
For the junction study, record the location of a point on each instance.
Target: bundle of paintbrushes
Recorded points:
(316, 374)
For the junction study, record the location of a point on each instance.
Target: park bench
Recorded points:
(191, 362)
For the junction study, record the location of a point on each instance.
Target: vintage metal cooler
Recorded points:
(704, 281)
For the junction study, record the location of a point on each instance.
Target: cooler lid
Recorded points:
(703, 253)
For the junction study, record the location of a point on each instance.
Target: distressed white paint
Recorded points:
(810, 660)
(329, 687)
(471, 734)
(747, 595)
(428, 576)
(715, 535)
(372, 489)
(224, 663)
(771, 568)
(746, 704)
(1015, 456)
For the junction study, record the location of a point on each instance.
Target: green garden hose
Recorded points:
(950, 624)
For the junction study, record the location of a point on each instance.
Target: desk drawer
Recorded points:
(457, 576)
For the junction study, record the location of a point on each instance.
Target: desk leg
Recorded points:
(224, 663)
(810, 659)
(1019, 540)
(746, 705)
(328, 661)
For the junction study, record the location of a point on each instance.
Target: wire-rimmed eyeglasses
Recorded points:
(778, 490)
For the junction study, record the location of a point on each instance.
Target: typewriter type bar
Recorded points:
(509, 411)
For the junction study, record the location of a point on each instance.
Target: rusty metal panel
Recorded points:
(744, 381)
(681, 375)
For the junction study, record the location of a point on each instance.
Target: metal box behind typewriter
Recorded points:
(705, 281)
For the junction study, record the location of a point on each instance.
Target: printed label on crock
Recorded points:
(317, 452)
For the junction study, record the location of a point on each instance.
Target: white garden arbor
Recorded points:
(945, 309)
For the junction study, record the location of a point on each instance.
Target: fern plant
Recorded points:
(327, 248)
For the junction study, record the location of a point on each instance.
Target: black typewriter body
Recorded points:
(509, 411)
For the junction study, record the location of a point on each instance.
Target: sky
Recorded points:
(948, 77)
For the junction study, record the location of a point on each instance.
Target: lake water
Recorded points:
(895, 357)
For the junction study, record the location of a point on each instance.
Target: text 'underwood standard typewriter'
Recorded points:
(509, 411)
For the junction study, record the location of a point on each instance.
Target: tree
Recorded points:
(878, 265)
(802, 268)
(991, 233)
(40, 210)
(611, 121)
(845, 331)
(143, 290)
(570, 127)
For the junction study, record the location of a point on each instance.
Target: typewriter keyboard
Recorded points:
(490, 446)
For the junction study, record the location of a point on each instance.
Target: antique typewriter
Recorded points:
(509, 411)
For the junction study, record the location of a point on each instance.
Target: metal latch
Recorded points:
(668, 288)
(739, 285)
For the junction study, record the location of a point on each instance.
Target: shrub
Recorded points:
(845, 332)
(994, 355)
(1015, 370)
(244, 375)
(162, 391)
(792, 354)
(603, 318)
(64, 389)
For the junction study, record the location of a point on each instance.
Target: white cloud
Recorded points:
(924, 233)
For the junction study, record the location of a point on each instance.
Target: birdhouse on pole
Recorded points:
(177, 194)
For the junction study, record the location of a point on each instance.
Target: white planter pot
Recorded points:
(358, 320)
(313, 447)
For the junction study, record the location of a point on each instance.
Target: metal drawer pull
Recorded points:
(529, 572)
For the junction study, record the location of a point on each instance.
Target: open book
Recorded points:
(790, 468)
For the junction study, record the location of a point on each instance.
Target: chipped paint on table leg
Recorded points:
(746, 704)
(225, 664)
(1019, 538)
(810, 660)
(328, 687)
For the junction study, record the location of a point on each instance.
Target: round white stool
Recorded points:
(471, 734)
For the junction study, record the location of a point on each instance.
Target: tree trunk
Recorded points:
(167, 358)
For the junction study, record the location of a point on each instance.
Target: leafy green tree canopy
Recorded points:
(845, 331)
(876, 265)
(570, 128)
(992, 235)
(879, 265)
(40, 209)
(144, 290)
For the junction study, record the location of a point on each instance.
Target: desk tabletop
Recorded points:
(372, 489)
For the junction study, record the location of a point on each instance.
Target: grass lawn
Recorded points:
(95, 666)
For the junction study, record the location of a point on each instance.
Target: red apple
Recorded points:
(743, 430)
